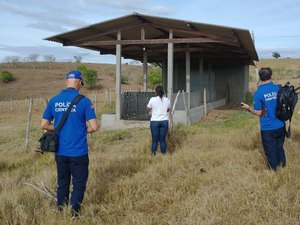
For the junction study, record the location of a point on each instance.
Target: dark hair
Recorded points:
(159, 91)
(265, 73)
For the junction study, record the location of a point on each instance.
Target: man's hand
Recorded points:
(245, 106)
(46, 125)
(93, 126)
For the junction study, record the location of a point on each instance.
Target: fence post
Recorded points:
(46, 101)
(109, 95)
(28, 125)
(204, 96)
(11, 104)
(172, 112)
(95, 104)
(187, 111)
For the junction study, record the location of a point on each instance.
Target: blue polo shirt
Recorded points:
(266, 96)
(72, 136)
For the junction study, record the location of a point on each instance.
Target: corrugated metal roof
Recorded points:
(211, 40)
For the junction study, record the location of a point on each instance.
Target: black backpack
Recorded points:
(287, 99)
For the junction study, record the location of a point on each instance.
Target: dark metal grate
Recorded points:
(135, 103)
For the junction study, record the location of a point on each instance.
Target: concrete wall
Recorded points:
(197, 113)
(232, 78)
(109, 121)
(222, 78)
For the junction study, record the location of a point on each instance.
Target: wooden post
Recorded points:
(204, 96)
(187, 111)
(95, 105)
(172, 112)
(105, 96)
(46, 101)
(28, 125)
(109, 95)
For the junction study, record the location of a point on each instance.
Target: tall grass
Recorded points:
(216, 174)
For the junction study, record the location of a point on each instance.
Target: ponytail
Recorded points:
(159, 91)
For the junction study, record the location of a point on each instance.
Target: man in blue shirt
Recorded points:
(72, 156)
(272, 129)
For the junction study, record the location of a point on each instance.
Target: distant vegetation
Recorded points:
(6, 76)
(155, 76)
(276, 55)
(30, 75)
(282, 68)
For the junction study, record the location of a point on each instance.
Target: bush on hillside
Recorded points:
(124, 79)
(89, 76)
(6, 76)
(155, 77)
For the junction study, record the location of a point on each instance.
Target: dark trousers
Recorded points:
(159, 132)
(77, 169)
(273, 141)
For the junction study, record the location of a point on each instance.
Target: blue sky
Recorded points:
(275, 24)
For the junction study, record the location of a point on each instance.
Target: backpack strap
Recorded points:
(288, 132)
(74, 102)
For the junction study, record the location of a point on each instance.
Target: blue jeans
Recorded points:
(77, 169)
(159, 132)
(273, 141)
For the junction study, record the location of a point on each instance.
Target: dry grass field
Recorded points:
(217, 174)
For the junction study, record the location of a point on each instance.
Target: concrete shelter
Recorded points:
(209, 62)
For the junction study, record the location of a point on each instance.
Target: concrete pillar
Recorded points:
(165, 74)
(170, 66)
(210, 72)
(246, 79)
(201, 71)
(188, 77)
(118, 78)
(145, 68)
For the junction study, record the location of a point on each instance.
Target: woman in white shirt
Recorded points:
(159, 122)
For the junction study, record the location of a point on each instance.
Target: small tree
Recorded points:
(33, 57)
(89, 76)
(78, 58)
(276, 55)
(49, 58)
(12, 59)
(6, 76)
(7, 59)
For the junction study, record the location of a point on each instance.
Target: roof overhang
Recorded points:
(141, 33)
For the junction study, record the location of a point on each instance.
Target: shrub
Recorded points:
(82, 68)
(124, 79)
(6, 76)
(89, 76)
(155, 77)
(249, 98)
